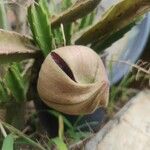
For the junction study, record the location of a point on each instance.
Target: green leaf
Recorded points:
(23, 75)
(80, 9)
(87, 20)
(8, 142)
(30, 20)
(68, 33)
(16, 47)
(67, 27)
(77, 121)
(15, 131)
(66, 4)
(58, 38)
(15, 83)
(77, 136)
(44, 5)
(4, 96)
(3, 17)
(52, 7)
(116, 18)
(18, 67)
(100, 45)
(59, 144)
(40, 26)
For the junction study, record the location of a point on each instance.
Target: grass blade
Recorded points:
(25, 137)
(8, 142)
(15, 84)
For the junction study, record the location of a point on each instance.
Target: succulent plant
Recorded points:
(69, 81)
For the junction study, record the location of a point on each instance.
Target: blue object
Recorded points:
(132, 51)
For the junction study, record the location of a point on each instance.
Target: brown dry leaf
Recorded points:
(80, 9)
(117, 17)
(16, 47)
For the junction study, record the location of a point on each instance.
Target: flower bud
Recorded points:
(73, 80)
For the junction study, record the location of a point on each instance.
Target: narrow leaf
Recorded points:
(52, 7)
(80, 9)
(38, 20)
(44, 5)
(14, 82)
(16, 47)
(68, 32)
(3, 17)
(66, 4)
(22, 74)
(100, 45)
(116, 18)
(87, 20)
(8, 142)
(77, 136)
(25, 137)
(4, 97)
(58, 38)
(67, 27)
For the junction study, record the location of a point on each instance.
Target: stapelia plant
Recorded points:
(73, 25)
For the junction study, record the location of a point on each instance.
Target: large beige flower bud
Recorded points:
(73, 80)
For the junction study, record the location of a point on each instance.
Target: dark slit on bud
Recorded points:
(63, 65)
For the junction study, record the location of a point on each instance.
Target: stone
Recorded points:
(129, 129)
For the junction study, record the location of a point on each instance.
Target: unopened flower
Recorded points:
(73, 80)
